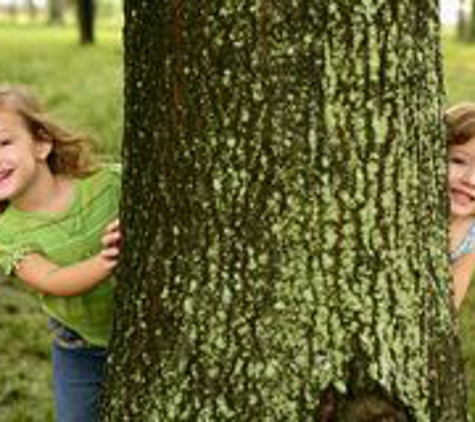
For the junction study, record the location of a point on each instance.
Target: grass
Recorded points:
(24, 362)
(82, 86)
(459, 70)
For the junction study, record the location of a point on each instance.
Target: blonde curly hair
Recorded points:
(71, 153)
(460, 121)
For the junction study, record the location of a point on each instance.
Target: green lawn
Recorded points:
(82, 86)
(459, 71)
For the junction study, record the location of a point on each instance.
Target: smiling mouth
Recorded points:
(462, 197)
(5, 175)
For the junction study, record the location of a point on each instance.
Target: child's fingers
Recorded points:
(111, 254)
(110, 264)
(114, 225)
(110, 257)
(111, 234)
(111, 239)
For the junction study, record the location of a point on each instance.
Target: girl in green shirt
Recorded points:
(59, 234)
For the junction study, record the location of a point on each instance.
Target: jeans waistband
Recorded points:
(66, 337)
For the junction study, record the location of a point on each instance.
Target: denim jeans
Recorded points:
(78, 371)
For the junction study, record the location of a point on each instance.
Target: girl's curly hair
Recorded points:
(71, 153)
(460, 121)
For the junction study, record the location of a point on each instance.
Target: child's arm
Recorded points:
(49, 278)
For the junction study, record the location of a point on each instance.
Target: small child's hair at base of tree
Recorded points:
(71, 154)
(460, 122)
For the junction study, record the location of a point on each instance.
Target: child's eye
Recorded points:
(5, 142)
(457, 160)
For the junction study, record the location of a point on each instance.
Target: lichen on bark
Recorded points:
(284, 211)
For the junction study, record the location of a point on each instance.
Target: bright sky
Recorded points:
(448, 10)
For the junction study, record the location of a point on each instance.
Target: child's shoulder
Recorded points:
(104, 183)
(7, 229)
(13, 223)
(111, 168)
(104, 175)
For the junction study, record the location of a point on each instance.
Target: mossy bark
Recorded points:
(284, 213)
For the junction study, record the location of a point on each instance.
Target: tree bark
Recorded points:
(461, 22)
(285, 215)
(471, 26)
(86, 18)
(32, 11)
(56, 12)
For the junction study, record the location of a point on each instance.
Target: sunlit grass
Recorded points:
(459, 70)
(25, 393)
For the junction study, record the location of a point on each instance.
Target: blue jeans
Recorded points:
(78, 373)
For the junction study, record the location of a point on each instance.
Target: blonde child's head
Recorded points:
(70, 153)
(460, 121)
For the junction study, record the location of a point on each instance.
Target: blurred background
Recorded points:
(70, 53)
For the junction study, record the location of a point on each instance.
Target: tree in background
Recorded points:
(461, 21)
(466, 21)
(471, 25)
(86, 16)
(56, 11)
(32, 9)
(284, 213)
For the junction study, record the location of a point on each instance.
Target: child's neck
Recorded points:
(458, 229)
(51, 193)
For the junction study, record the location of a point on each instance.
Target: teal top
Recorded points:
(65, 238)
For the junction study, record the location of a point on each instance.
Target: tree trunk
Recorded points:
(86, 16)
(462, 22)
(32, 12)
(56, 10)
(471, 26)
(284, 212)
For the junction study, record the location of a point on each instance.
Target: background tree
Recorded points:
(86, 10)
(284, 212)
(466, 21)
(461, 21)
(32, 10)
(471, 25)
(56, 11)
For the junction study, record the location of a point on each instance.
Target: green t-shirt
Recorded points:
(65, 238)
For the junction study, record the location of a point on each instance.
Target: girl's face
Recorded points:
(462, 179)
(22, 158)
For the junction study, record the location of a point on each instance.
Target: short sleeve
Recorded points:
(113, 170)
(108, 184)
(12, 255)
